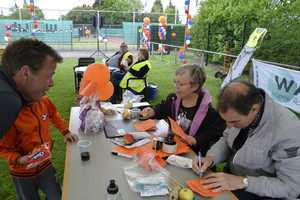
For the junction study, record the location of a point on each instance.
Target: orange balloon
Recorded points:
(160, 38)
(162, 19)
(97, 73)
(173, 34)
(146, 20)
(106, 92)
(32, 37)
(187, 32)
(189, 16)
(181, 51)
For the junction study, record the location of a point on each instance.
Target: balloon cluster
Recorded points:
(7, 26)
(146, 33)
(103, 38)
(161, 48)
(7, 34)
(187, 31)
(35, 26)
(31, 6)
(96, 81)
(88, 32)
(6, 37)
(162, 28)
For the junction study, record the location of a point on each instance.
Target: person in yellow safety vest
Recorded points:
(138, 69)
(116, 61)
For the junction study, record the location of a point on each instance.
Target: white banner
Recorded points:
(283, 85)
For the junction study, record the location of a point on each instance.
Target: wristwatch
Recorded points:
(245, 181)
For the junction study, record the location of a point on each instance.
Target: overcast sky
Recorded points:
(69, 4)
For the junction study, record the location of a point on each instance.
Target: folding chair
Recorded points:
(78, 74)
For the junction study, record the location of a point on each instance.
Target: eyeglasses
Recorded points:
(180, 84)
(123, 46)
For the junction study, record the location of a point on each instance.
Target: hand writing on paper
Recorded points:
(222, 181)
(206, 163)
(71, 137)
(148, 112)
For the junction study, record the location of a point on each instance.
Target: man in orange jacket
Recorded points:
(32, 126)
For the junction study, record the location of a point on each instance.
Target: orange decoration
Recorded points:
(173, 34)
(181, 51)
(106, 92)
(162, 19)
(98, 73)
(32, 37)
(146, 20)
(187, 32)
(189, 16)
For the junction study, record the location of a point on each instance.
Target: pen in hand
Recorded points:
(199, 155)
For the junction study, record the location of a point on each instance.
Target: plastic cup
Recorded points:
(84, 148)
(135, 115)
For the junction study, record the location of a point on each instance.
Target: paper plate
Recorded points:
(180, 161)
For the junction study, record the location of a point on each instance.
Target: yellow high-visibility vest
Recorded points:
(252, 43)
(136, 84)
(125, 56)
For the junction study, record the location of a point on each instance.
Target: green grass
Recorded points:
(64, 97)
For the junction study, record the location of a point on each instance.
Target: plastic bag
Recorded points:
(39, 155)
(129, 98)
(107, 108)
(91, 115)
(141, 180)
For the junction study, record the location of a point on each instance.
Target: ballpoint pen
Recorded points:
(199, 154)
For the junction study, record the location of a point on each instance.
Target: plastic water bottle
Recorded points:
(113, 191)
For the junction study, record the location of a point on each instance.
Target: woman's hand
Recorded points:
(147, 112)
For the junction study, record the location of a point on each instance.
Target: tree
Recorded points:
(122, 6)
(157, 7)
(80, 17)
(227, 17)
(171, 10)
(25, 13)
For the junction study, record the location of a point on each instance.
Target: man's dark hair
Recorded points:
(241, 99)
(27, 52)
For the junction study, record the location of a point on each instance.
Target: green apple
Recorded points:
(186, 194)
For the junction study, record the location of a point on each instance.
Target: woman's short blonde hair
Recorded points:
(194, 73)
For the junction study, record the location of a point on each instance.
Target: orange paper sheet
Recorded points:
(181, 147)
(196, 186)
(178, 130)
(124, 150)
(148, 125)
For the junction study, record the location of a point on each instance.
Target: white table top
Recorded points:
(89, 179)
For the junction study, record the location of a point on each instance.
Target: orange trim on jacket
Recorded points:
(31, 129)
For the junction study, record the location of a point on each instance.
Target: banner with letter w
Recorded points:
(282, 84)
